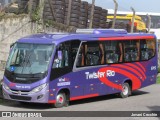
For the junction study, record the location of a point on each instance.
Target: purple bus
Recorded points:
(58, 68)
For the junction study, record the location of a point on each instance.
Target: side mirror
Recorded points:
(12, 45)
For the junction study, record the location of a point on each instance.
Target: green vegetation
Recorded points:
(158, 80)
(60, 26)
(159, 70)
(11, 15)
(35, 16)
(1, 101)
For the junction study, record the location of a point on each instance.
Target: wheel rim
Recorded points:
(60, 99)
(125, 90)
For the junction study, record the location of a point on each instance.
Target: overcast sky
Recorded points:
(124, 5)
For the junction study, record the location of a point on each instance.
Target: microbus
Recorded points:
(58, 68)
(125, 21)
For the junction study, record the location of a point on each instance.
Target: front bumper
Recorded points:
(39, 97)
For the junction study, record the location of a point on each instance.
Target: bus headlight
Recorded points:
(5, 86)
(39, 88)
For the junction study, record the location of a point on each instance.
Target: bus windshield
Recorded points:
(29, 58)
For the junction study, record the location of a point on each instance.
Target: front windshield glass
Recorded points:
(29, 58)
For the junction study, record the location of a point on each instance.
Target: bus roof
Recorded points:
(83, 35)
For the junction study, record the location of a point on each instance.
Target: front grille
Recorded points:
(20, 97)
(18, 90)
(22, 92)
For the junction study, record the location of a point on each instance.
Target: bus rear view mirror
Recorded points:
(11, 46)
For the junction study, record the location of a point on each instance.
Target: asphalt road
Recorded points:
(146, 99)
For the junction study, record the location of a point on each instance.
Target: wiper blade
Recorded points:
(26, 61)
(15, 64)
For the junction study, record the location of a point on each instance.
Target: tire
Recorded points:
(104, 14)
(46, 9)
(97, 8)
(84, 7)
(59, 3)
(83, 23)
(81, 26)
(76, 8)
(46, 5)
(66, 1)
(61, 12)
(83, 10)
(84, 3)
(61, 100)
(59, 20)
(82, 19)
(74, 16)
(58, 7)
(126, 90)
(97, 20)
(84, 15)
(74, 25)
(102, 21)
(49, 18)
(97, 12)
(47, 14)
(96, 23)
(76, 3)
(94, 15)
(74, 11)
(60, 16)
(74, 20)
(1, 90)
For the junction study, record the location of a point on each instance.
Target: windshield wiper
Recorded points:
(26, 63)
(15, 64)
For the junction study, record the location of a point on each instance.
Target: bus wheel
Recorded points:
(126, 90)
(61, 100)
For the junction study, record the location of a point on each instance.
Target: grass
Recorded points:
(1, 101)
(158, 80)
(159, 70)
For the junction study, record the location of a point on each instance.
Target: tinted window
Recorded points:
(61, 58)
(131, 50)
(113, 51)
(64, 58)
(147, 49)
(91, 53)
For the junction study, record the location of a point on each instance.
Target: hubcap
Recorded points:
(125, 90)
(60, 99)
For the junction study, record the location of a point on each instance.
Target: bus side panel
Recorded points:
(105, 80)
(150, 71)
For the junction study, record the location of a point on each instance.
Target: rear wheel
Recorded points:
(126, 90)
(61, 100)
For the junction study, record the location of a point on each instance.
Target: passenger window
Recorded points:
(91, 53)
(113, 51)
(147, 49)
(131, 50)
(61, 58)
